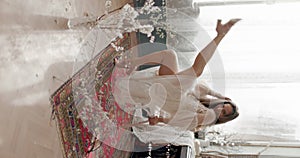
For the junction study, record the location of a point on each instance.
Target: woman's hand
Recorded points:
(220, 96)
(153, 120)
(222, 29)
(226, 98)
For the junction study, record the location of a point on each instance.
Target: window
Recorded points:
(261, 58)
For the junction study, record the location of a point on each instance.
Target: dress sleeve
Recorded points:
(184, 119)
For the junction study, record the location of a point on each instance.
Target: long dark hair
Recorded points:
(212, 103)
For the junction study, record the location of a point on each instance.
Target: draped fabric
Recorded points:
(170, 95)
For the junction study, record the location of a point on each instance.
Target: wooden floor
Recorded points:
(25, 132)
(35, 45)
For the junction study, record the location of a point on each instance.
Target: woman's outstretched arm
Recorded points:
(205, 55)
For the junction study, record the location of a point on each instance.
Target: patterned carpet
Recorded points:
(84, 106)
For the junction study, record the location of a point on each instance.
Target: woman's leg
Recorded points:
(167, 59)
(169, 64)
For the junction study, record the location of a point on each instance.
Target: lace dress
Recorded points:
(170, 96)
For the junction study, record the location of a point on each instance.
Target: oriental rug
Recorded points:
(69, 108)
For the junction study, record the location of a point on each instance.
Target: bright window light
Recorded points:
(261, 57)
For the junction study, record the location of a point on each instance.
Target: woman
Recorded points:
(173, 93)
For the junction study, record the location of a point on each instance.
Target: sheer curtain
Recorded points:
(261, 58)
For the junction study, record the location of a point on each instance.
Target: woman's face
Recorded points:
(224, 110)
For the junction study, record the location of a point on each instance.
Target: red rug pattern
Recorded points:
(77, 140)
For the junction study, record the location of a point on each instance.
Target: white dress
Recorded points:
(168, 95)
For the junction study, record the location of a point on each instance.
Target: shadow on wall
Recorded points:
(32, 22)
(54, 77)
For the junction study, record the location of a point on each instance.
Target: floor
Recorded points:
(35, 45)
